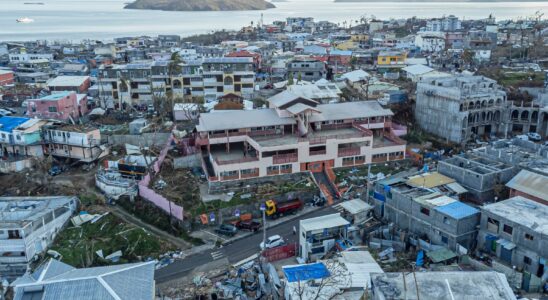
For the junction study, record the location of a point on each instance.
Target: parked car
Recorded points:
(522, 137)
(249, 225)
(55, 170)
(227, 229)
(272, 242)
(533, 136)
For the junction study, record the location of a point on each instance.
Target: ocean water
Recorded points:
(75, 20)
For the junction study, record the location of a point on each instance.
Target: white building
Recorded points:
(29, 57)
(430, 41)
(318, 235)
(28, 225)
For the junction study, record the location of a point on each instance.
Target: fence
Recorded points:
(280, 253)
(150, 195)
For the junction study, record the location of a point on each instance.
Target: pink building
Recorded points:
(60, 106)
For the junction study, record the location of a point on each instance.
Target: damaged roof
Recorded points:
(531, 183)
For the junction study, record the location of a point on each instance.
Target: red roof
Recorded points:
(243, 53)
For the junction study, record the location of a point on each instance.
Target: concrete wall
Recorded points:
(145, 139)
(187, 161)
(534, 249)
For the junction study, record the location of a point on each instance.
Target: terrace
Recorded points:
(313, 137)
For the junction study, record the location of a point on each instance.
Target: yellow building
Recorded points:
(386, 58)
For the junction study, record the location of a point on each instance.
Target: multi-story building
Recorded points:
(460, 108)
(20, 136)
(480, 175)
(28, 225)
(515, 231)
(295, 135)
(59, 106)
(310, 69)
(226, 75)
(391, 59)
(169, 40)
(430, 41)
(449, 23)
(425, 205)
(76, 142)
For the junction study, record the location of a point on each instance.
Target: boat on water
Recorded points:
(25, 20)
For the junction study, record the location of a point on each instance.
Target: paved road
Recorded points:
(236, 251)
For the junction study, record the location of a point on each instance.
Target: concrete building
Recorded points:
(61, 106)
(310, 69)
(28, 225)
(515, 232)
(318, 235)
(295, 135)
(460, 108)
(430, 42)
(479, 175)
(441, 285)
(76, 142)
(420, 204)
(20, 141)
(57, 280)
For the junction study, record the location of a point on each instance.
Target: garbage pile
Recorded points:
(250, 281)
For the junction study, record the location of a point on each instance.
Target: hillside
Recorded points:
(200, 5)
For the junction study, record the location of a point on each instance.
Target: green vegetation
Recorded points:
(78, 245)
(150, 214)
(522, 79)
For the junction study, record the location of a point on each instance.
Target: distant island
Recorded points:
(200, 5)
(439, 0)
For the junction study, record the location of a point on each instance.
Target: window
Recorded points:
(446, 220)
(52, 109)
(272, 169)
(493, 225)
(508, 229)
(425, 211)
(529, 237)
(527, 260)
(285, 167)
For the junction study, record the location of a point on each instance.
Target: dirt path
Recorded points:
(124, 215)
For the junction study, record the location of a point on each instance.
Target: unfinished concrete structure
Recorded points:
(479, 175)
(514, 231)
(459, 108)
(442, 219)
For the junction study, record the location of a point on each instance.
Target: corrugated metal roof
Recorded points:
(530, 183)
(457, 210)
(429, 180)
(327, 221)
(127, 281)
(355, 206)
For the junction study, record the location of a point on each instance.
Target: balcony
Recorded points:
(387, 141)
(379, 159)
(317, 152)
(286, 171)
(230, 177)
(271, 172)
(285, 158)
(348, 152)
(255, 173)
(235, 161)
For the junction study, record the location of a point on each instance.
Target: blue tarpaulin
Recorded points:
(306, 272)
(420, 259)
(379, 196)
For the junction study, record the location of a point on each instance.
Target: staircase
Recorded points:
(326, 185)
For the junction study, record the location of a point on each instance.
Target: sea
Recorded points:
(76, 20)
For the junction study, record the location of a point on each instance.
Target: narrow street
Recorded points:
(236, 251)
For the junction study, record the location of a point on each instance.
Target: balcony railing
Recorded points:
(285, 158)
(379, 159)
(318, 152)
(286, 171)
(272, 172)
(231, 177)
(250, 175)
(348, 163)
(235, 161)
(349, 152)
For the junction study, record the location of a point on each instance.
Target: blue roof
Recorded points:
(306, 272)
(7, 124)
(457, 210)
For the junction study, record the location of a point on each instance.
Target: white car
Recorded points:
(273, 242)
(522, 137)
(533, 136)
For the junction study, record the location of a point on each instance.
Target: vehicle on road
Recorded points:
(272, 242)
(227, 229)
(275, 209)
(533, 136)
(249, 225)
